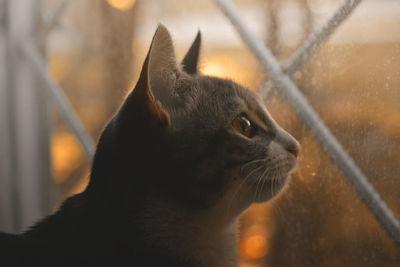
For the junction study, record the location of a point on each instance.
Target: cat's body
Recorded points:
(185, 155)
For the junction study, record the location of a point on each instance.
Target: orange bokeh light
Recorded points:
(222, 66)
(122, 4)
(254, 247)
(60, 66)
(66, 155)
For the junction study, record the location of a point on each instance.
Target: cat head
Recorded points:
(197, 139)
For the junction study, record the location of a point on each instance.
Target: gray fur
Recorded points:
(217, 172)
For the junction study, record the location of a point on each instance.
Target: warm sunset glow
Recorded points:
(215, 68)
(122, 4)
(66, 155)
(226, 67)
(60, 66)
(254, 247)
(82, 184)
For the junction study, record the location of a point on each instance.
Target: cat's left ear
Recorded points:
(191, 59)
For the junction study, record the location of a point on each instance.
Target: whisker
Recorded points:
(258, 183)
(274, 180)
(264, 181)
(266, 173)
(281, 180)
(279, 212)
(241, 185)
(264, 178)
(252, 162)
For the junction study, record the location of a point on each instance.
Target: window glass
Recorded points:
(353, 82)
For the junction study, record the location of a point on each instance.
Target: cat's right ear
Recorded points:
(191, 59)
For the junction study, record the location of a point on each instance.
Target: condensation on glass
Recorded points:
(353, 83)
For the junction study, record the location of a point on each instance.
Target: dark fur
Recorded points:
(162, 170)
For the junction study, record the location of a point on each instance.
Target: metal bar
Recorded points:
(315, 40)
(55, 91)
(29, 144)
(9, 204)
(3, 15)
(304, 54)
(321, 132)
(46, 126)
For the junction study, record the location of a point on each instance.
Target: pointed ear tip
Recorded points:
(162, 33)
(161, 28)
(198, 36)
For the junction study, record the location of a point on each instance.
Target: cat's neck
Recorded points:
(206, 237)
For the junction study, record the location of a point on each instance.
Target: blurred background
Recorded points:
(94, 50)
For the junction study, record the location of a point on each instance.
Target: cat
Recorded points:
(183, 157)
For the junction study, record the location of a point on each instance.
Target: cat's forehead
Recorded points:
(213, 101)
(228, 93)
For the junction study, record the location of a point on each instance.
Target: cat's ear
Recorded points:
(154, 90)
(163, 68)
(191, 59)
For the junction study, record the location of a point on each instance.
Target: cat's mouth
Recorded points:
(267, 168)
(266, 178)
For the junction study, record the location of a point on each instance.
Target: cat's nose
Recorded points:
(288, 142)
(294, 148)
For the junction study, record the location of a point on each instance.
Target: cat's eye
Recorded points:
(242, 125)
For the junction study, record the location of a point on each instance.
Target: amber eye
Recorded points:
(242, 125)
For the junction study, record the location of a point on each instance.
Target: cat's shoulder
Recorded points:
(69, 212)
